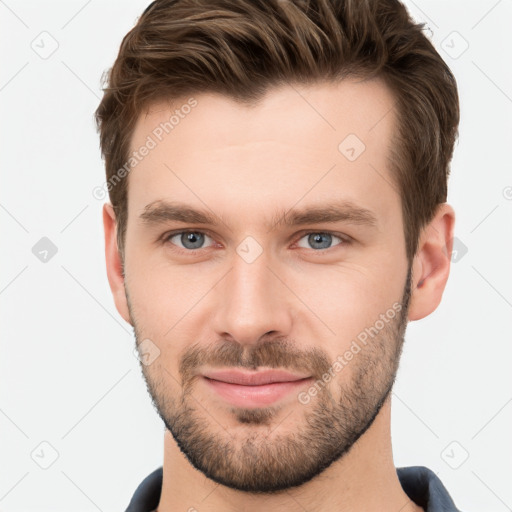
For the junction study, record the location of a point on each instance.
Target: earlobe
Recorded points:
(113, 262)
(431, 265)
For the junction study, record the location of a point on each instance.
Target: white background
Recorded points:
(67, 373)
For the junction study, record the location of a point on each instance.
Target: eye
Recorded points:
(189, 240)
(321, 240)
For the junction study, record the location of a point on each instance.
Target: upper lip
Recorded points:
(253, 378)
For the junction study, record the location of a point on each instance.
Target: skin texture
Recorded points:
(297, 306)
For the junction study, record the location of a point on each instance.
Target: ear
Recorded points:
(431, 264)
(113, 261)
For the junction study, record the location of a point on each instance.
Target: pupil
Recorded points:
(316, 238)
(192, 240)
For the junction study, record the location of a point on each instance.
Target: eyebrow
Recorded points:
(161, 211)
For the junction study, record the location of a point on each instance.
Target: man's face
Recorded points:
(255, 291)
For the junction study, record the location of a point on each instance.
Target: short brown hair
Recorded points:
(241, 48)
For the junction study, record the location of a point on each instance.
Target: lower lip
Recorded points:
(254, 396)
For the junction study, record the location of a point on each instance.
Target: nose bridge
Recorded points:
(250, 283)
(252, 301)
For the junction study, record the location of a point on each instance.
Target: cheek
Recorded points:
(153, 301)
(347, 299)
(168, 300)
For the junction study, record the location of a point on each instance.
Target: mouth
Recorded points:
(254, 389)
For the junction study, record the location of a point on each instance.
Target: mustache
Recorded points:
(278, 354)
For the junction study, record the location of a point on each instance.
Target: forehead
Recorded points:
(297, 141)
(347, 106)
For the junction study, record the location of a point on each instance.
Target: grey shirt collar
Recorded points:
(419, 483)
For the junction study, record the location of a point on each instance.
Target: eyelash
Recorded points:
(165, 239)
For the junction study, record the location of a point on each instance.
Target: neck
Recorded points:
(363, 479)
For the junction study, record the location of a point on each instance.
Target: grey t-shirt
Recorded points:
(419, 483)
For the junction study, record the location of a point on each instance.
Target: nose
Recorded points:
(253, 302)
